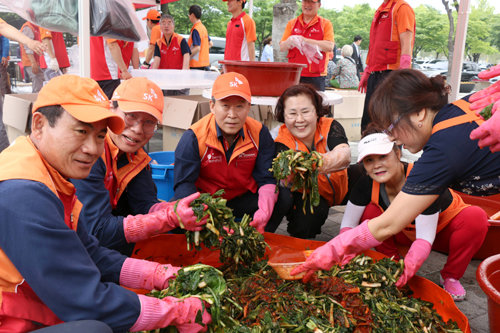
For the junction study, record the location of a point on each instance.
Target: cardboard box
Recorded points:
(349, 112)
(17, 114)
(352, 127)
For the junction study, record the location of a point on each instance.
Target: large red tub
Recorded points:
(488, 277)
(266, 78)
(491, 205)
(170, 248)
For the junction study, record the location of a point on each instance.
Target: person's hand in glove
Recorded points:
(404, 61)
(267, 198)
(53, 64)
(364, 80)
(418, 252)
(144, 274)
(312, 52)
(164, 219)
(337, 159)
(488, 133)
(339, 250)
(485, 97)
(181, 313)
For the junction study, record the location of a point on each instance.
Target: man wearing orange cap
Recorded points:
(240, 33)
(52, 270)
(229, 150)
(153, 27)
(120, 205)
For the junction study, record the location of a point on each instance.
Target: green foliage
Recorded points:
(431, 31)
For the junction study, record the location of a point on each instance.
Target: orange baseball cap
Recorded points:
(231, 84)
(81, 97)
(140, 94)
(152, 14)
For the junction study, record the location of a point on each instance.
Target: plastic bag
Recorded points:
(311, 52)
(108, 18)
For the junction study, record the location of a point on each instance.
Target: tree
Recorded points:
(430, 32)
(479, 31)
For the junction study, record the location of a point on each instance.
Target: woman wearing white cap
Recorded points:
(448, 225)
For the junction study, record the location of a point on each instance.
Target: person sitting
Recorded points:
(306, 129)
(228, 150)
(120, 204)
(344, 75)
(53, 272)
(448, 225)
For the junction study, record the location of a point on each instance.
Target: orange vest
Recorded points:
(235, 176)
(468, 117)
(201, 58)
(19, 305)
(116, 181)
(24, 57)
(445, 217)
(333, 187)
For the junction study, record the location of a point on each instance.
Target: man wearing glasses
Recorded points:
(120, 186)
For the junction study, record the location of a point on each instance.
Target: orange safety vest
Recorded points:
(333, 187)
(445, 217)
(201, 59)
(116, 180)
(24, 57)
(19, 305)
(235, 176)
(171, 54)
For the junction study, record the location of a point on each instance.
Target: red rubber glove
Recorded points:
(404, 61)
(143, 274)
(181, 313)
(339, 250)
(163, 218)
(267, 198)
(364, 80)
(418, 252)
(488, 133)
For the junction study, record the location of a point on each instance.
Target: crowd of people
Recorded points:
(76, 194)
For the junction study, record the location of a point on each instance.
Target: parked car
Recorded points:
(469, 77)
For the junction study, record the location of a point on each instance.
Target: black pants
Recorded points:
(374, 81)
(318, 82)
(109, 86)
(81, 326)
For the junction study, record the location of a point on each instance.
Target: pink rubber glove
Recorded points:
(485, 97)
(143, 274)
(364, 81)
(418, 252)
(140, 227)
(340, 250)
(405, 61)
(490, 72)
(181, 313)
(344, 229)
(488, 133)
(267, 198)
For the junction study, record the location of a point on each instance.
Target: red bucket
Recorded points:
(491, 205)
(266, 78)
(488, 277)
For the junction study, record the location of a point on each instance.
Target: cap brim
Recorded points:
(223, 95)
(93, 113)
(381, 149)
(145, 18)
(127, 106)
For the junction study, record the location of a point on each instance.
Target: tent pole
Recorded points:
(458, 53)
(84, 36)
(250, 8)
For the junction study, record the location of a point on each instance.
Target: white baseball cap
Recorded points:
(374, 144)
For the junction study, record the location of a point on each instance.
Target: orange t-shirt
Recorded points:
(155, 35)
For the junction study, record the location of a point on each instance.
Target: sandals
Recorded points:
(454, 288)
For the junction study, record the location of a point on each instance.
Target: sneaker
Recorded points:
(453, 287)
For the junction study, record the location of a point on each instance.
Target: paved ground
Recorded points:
(474, 307)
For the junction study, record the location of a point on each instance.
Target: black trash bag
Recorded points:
(111, 18)
(56, 15)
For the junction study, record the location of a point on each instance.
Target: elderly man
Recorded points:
(229, 150)
(306, 37)
(52, 270)
(120, 205)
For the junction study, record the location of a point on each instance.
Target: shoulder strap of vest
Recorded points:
(468, 117)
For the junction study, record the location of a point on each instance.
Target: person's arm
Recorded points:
(251, 50)
(186, 54)
(196, 43)
(187, 165)
(264, 161)
(135, 58)
(55, 261)
(116, 54)
(149, 54)
(285, 43)
(47, 41)
(339, 155)
(324, 45)
(13, 34)
(185, 61)
(157, 59)
(141, 192)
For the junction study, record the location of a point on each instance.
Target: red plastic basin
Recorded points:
(266, 78)
(491, 205)
(488, 277)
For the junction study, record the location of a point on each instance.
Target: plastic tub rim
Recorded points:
(483, 281)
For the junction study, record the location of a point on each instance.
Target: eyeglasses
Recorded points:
(390, 130)
(148, 126)
(293, 115)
